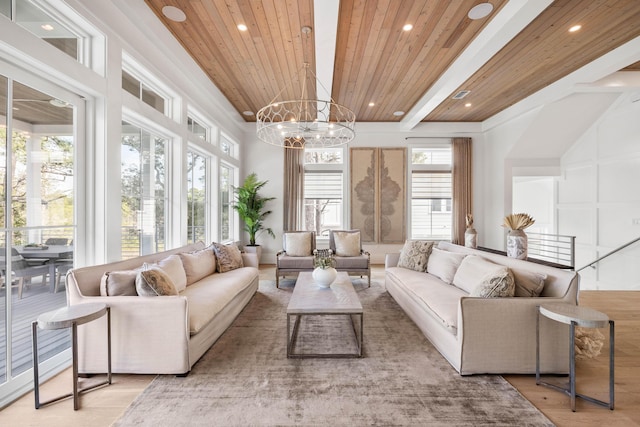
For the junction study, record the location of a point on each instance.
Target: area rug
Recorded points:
(245, 379)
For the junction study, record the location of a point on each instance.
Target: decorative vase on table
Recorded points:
(471, 238)
(324, 277)
(517, 244)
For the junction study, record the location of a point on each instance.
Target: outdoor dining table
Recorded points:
(54, 253)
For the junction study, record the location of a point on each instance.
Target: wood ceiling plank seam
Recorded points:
(350, 31)
(215, 38)
(373, 55)
(344, 18)
(223, 16)
(436, 23)
(307, 17)
(353, 61)
(246, 12)
(282, 78)
(303, 45)
(201, 52)
(267, 57)
(553, 20)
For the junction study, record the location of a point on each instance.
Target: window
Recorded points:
(323, 190)
(144, 196)
(197, 129)
(141, 91)
(227, 181)
(431, 190)
(228, 147)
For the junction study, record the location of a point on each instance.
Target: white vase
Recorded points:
(324, 277)
(517, 244)
(471, 238)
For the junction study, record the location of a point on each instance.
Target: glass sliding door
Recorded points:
(37, 217)
(143, 191)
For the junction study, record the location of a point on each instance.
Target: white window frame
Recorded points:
(211, 130)
(147, 78)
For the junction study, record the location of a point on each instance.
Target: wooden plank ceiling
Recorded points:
(376, 61)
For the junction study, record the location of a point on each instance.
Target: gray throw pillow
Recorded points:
(154, 282)
(415, 255)
(118, 283)
(229, 257)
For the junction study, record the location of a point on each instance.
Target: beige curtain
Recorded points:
(293, 197)
(462, 187)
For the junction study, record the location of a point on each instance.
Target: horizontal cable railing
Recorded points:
(554, 248)
(618, 249)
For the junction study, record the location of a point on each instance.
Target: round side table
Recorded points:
(70, 317)
(574, 315)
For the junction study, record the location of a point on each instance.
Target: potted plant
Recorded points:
(517, 238)
(324, 272)
(250, 206)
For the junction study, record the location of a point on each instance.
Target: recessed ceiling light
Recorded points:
(407, 27)
(174, 13)
(398, 113)
(248, 113)
(47, 27)
(480, 10)
(371, 104)
(468, 104)
(59, 103)
(242, 27)
(575, 28)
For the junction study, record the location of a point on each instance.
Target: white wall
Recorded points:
(267, 161)
(599, 197)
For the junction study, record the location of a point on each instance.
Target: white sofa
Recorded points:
(163, 334)
(486, 335)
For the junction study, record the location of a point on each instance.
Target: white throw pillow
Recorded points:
(172, 266)
(443, 264)
(198, 264)
(347, 243)
(298, 244)
(473, 269)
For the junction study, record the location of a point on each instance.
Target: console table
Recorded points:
(575, 315)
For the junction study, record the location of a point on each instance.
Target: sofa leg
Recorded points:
(277, 280)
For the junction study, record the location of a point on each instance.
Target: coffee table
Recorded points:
(309, 299)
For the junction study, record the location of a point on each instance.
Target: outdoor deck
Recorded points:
(36, 299)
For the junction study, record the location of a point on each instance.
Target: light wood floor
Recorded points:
(103, 406)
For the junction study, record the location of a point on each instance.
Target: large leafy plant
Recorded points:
(250, 206)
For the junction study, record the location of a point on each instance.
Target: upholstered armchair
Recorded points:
(346, 246)
(296, 254)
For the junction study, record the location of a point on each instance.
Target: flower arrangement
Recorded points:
(324, 260)
(518, 221)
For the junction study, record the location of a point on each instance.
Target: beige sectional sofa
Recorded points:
(486, 335)
(160, 334)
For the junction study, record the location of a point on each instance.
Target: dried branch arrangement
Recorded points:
(469, 220)
(518, 221)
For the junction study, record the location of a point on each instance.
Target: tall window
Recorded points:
(227, 177)
(144, 194)
(431, 213)
(323, 190)
(196, 197)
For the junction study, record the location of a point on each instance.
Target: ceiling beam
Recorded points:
(325, 21)
(509, 21)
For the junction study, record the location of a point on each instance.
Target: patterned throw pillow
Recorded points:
(347, 243)
(229, 257)
(298, 244)
(154, 282)
(496, 285)
(172, 267)
(415, 254)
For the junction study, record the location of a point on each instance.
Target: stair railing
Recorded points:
(618, 249)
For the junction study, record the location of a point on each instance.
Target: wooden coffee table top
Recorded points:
(310, 298)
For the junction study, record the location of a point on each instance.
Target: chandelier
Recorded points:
(305, 122)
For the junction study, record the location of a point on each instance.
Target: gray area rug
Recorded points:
(245, 379)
